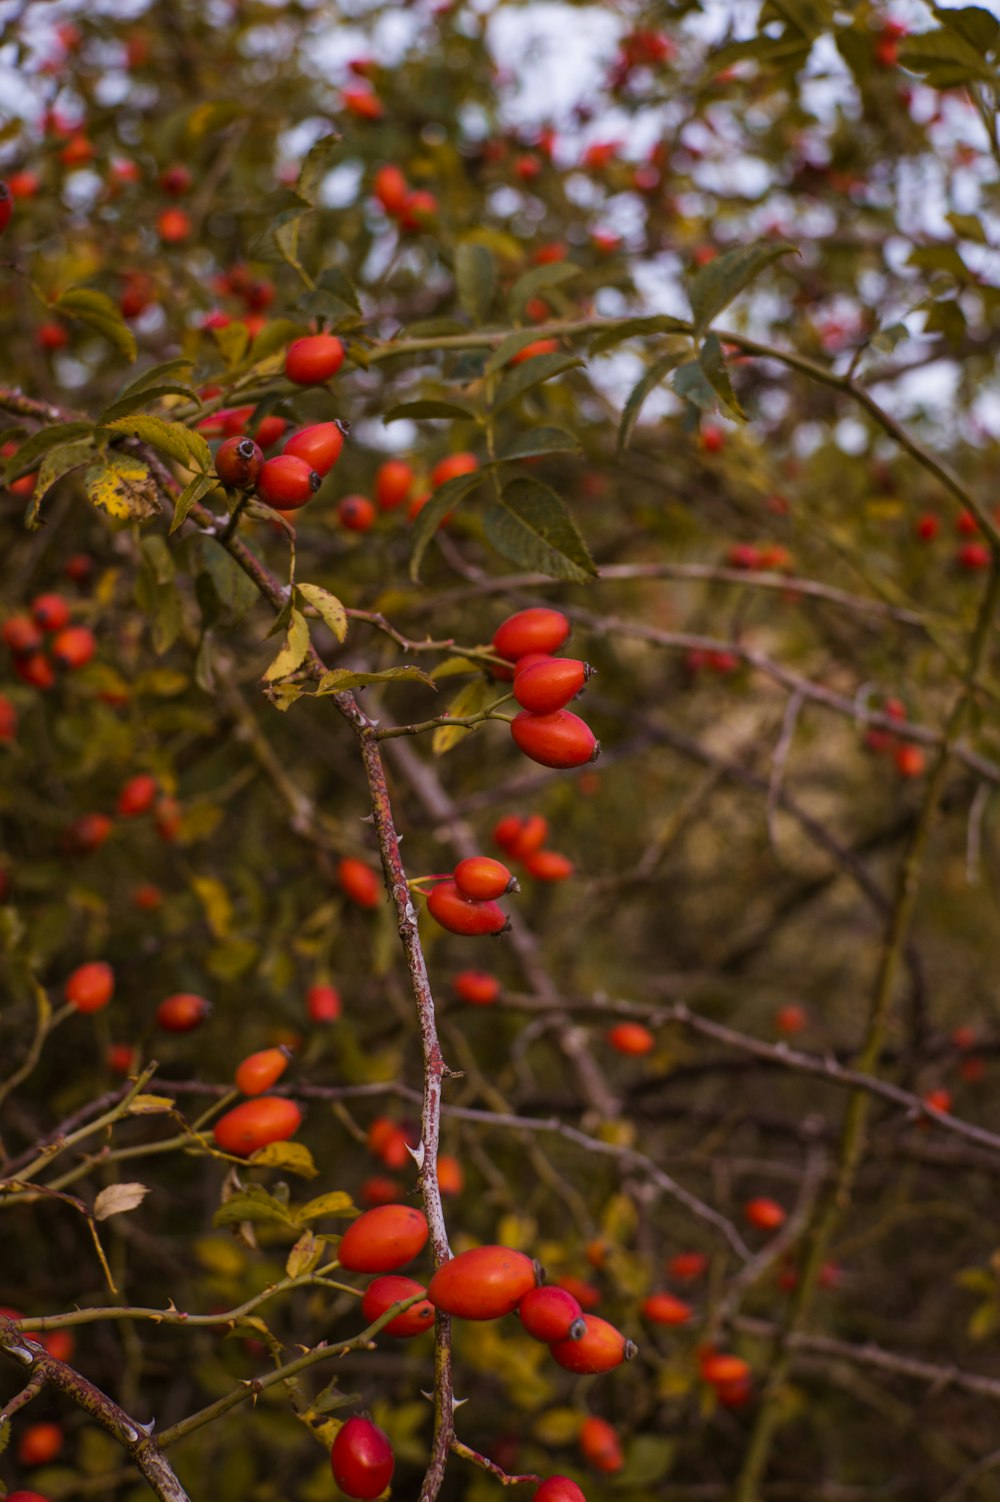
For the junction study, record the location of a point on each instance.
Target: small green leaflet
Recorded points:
(538, 280)
(428, 408)
(342, 679)
(57, 462)
(531, 526)
(444, 499)
(470, 699)
(657, 372)
(98, 311)
(713, 366)
(475, 276)
(715, 285)
(39, 443)
(532, 373)
(540, 441)
(190, 496)
(170, 438)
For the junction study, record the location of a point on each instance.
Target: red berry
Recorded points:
(176, 180)
(271, 428)
(548, 865)
(451, 467)
(120, 1058)
(313, 360)
(393, 483)
(791, 1019)
(966, 524)
(286, 483)
(39, 1444)
(361, 1459)
(558, 1489)
(451, 1179)
(50, 611)
(911, 760)
(382, 1293)
(459, 915)
(319, 446)
(631, 1038)
(167, 819)
(765, 1214)
(256, 1123)
(8, 720)
(484, 1283)
(91, 986)
(356, 513)
(239, 462)
(927, 527)
(380, 1191)
(182, 1012)
(137, 795)
(74, 647)
(476, 987)
(323, 1003)
(391, 190)
(687, 1267)
(722, 1370)
(418, 210)
(598, 1349)
(364, 103)
(480, 878)
(560, 739)
(387, 1140)
(973, 555)
(21, 634)
(550, 1314)
(665, 1309)
(6, 206)
(547, 684)
(538, 629)
(599, 1443)
(586, 1294)
(35, 670)
(173, 226)
(88, 833)
(79, 568)
(259, 1071)
(358, 882)
(382, 1240)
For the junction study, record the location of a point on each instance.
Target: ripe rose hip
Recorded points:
(537, 629)
(393, 483)
(587, 1295)
(390, 189)
(631, 1038)
(39, 1444)
(358, 881)
(182, 1012)
(765, 1214)
(286, 483)
(176, 180)
(257, 1123)
(558, 1489)
(476, 987)
(6, 206)
(386, 1139)
(380, 1190)
(450, 1177)
(239, 462)
(791, 1019)
(361, 1459)
(8, 720)
(687, 1267)
(480, 877)
(356, 513)
(550, 1314)
(548, 865)
(313, 360)
(560, 739)
(721, 1369)
(452, 466)
(323, 1003)
(137, 795)
(173, 226)
(259, 1071)
(600, 1348)
(384, 1239)
(459, 915)
(318, 446)
(91, 986)
(88, 833)
(74, 647)
(484, 1283)
(665, 1309)
(600, 1445)
(382, 1293)
(549, 683)
(50, 611)
(21, 634)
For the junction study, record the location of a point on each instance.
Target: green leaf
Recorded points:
(329, 608)
(274, 336)
(945, 58)
(98, 311)
(292, 1156)
(170, 438)
(123, 487)
(713, 366)
(509, 347)
(532, 373)
(286, 238)
(414, 411)
(336, 1202)
(553, 274)
(715, 285)
(532, 527)
(657, 372)
(233, 342)
(968, 227)
(57, 462)
(255, 1204)
(39, 443)
(455, 667)
(294, 651)
(979, 27)
(475, 277)
(647, 1460)
(659, 323)
(692, 385)
(444, 499)
(190, 496)
(540, 441)
(470, 699)
(341, 679)
(143, 398)
(339, 284)
(315, 166)
(156, 375)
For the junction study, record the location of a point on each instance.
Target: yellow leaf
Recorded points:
(123, 488)
(215, 900)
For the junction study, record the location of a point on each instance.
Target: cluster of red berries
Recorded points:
(543, 684)
(970, 556)
(466, 902)
(412, 208)
(771, 557)
(910, 759)
(292, 477)
(44, 640)
(523, 840)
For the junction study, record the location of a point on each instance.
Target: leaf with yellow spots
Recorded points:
(123, 487)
